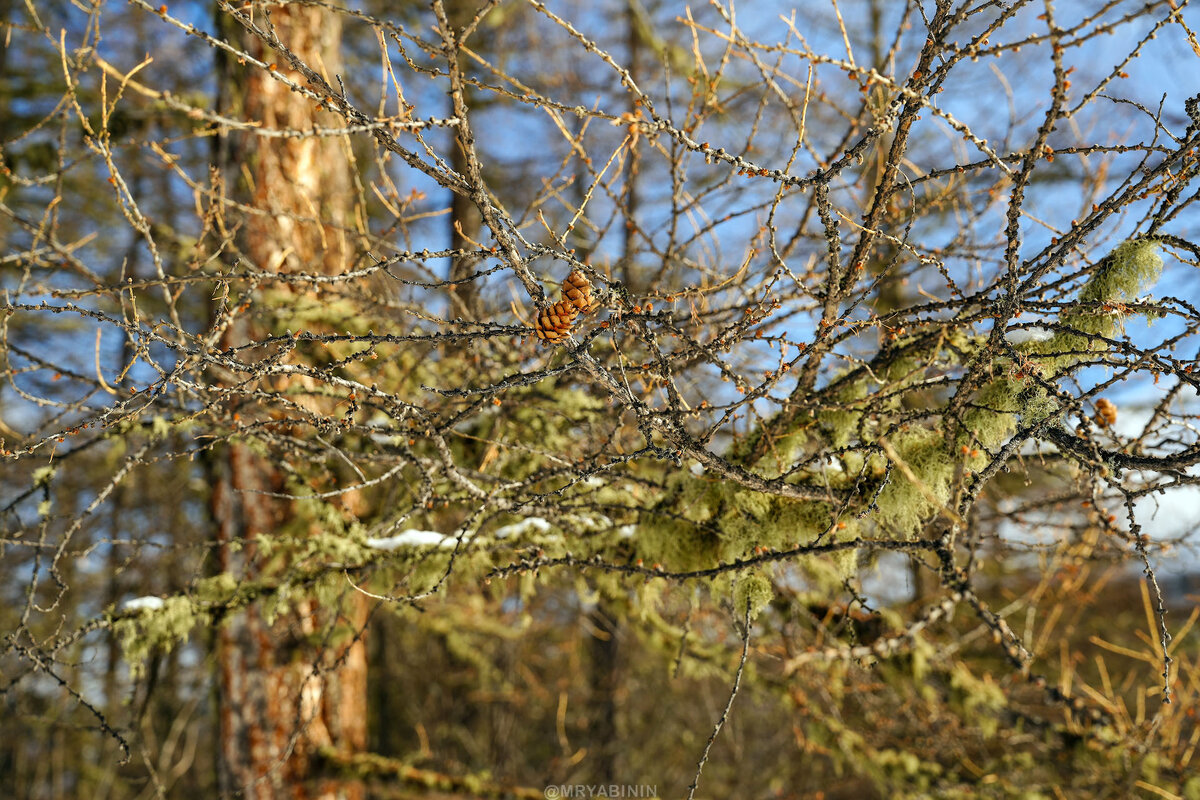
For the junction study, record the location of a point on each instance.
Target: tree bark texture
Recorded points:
(287, 690)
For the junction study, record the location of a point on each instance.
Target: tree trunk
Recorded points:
(465, 226)
(283, 694)
(605, 683)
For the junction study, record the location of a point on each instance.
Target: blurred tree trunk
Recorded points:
(605, 684)
(466, 223)
(282, 697)
(465, 229)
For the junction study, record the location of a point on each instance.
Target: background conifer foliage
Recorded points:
(461, 399)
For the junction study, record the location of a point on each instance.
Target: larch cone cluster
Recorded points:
(555, 322)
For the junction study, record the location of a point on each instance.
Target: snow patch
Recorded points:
(1023, 335)
(149, 603)
(594, 522)
(528, 525)
(411, 538)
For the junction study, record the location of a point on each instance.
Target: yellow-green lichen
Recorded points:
(751, 594)
(676, 543)
(149, 630)
(993, 416)
(1131, 268)
(920, 484)
(1134, 265)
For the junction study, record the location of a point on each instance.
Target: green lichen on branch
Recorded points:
(147, 631)
(1130, 269)
(751, 595)
(714, 520)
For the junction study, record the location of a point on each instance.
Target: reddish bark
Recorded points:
(283, 695)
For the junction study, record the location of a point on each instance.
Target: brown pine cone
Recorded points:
(578, 291)
(555, 322)
(1106, 413)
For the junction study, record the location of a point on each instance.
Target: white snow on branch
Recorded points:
(626, 531)
(594, 522)
(143, 603)
(527, 525)
(411, 538)
(1023, 335)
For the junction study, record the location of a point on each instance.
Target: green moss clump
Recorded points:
(751, 595)
(217, 590)
(994, 417)
(841, 423)
(906, 503)
(151, 630)
(700, 499)
(1037, 405)
(752, 504)
(676, 543)
(1134, 265)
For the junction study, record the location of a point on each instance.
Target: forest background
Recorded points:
(489, 398)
